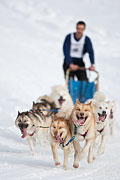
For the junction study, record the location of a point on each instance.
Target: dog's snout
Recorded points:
(61, 97)
(104, 112)
(55, 133)
(22, 125)
(81, 114)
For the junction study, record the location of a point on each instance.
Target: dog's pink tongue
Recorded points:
(24, 133)
(61, 102)
(58, 138)
(101, 118)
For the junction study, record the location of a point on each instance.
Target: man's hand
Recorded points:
(74, 67)
(92, 68)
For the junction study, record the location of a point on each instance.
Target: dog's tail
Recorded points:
(46, 98)
(99, 96)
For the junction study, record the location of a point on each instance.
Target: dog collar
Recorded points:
(84, 134)
(100, 131)
(75, 131)
(32, 134)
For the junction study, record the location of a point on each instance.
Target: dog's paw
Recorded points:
(57, 163)
(100, 151)
(65, 167)
(90, 160)
(75, 165)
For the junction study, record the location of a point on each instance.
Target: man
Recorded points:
(75, 46)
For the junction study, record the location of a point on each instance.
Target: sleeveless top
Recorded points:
(76, 49)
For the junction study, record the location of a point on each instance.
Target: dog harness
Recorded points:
(64, 145)
(75, 132)
(100, 131)
(32, 134)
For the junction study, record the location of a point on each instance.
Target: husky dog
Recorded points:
(47, 107)
(60, 135)
(62, 99)
(45, 102)
(112, 108)
(102, 113)
(30, 126)
(83, 126)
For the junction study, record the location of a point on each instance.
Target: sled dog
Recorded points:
(83, 126)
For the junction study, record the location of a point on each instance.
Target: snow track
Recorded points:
(31, 37)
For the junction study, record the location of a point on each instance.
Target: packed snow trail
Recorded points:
(31, 37)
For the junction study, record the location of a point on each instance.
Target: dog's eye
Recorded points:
(19, 120)
(86, 110)
(78, 109)
(60, 127)
(100, 107)
(106, 107)
(54, 127)
(25, 120)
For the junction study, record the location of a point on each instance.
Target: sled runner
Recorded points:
(82, 90)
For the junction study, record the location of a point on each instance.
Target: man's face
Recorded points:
(80, 29)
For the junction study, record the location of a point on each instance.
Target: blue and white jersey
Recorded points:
(76, 48)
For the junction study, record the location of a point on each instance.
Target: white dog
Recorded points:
(100, 97)
(102, 114)
(62, 99)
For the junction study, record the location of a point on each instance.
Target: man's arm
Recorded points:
(89, 49)
(66, 50)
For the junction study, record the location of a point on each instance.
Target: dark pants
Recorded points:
(80, 74)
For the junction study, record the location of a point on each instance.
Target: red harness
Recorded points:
(84, 134)
(31, 134)
(100, 131)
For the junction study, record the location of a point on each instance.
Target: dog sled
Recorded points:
(82, 90)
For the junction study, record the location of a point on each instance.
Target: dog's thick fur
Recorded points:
(100, 97)
(62, 99)
(47, 104)
(83, 118)
(29, 125)
(60, 132)
(102, 113)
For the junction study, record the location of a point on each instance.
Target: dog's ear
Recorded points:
(33, 103)
(113, 102)
(90, 103)
(77, 101)
(18, 113)
(53, 117)
(108, 102)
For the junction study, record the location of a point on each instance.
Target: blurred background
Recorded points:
(32, 33)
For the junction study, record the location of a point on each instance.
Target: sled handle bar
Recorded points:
(83, 69)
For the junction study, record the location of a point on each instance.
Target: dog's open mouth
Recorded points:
(102, 117)
(80, 120)
(59, 138)
(61, 101)
(111, 114)
(24, 132)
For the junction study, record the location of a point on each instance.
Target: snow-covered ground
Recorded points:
(31, 37)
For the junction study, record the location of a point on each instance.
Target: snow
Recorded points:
(31, 37)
